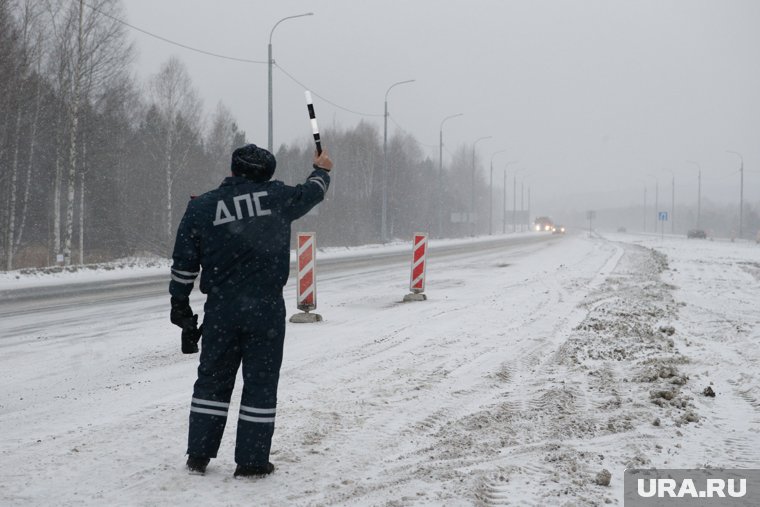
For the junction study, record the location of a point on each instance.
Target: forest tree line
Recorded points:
(96, 166)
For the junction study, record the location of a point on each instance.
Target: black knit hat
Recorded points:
(254, 163)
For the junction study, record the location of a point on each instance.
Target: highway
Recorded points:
(41, 299)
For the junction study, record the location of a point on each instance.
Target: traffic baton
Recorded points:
(313, 119)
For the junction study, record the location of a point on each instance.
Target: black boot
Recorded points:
(197, 465)
(254, 470)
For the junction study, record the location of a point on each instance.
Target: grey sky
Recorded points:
(592, 96)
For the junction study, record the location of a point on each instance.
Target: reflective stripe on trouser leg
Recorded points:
(254, 438)
(207, 421)
(219, 362)
(262, 357)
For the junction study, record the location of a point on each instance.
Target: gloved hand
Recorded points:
(181, 314)
(191, 336)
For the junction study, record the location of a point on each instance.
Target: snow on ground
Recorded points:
(65, 275)
(526, 373)
(136, 267)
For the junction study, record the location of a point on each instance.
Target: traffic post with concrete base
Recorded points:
(306, 285)
(417, 280)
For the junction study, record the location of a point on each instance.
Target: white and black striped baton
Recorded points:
(313, 118)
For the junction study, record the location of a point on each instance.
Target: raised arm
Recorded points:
(311, 192)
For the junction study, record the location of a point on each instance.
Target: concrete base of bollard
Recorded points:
(305, 318)
(414, 296)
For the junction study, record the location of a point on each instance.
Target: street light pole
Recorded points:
(522, 201)
(644, 182)
(440, 174)
(699, 191)
(471, 215)
(504, 200)
(741, 190)
(527, 218)
(656, 201)
(514, 200)
(673, 204)
(270, 61)
(490, 195)
(672, 200)
(384, 216)
(504, 205)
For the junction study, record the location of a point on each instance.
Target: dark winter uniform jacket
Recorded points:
(239, 234)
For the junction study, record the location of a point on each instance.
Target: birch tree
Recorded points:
(180, 109)
(7, 62)
(8, 57)
(61, 24)
(32, 146)
(29, 53)
(76, 98)
(92, 50)
(222, 137)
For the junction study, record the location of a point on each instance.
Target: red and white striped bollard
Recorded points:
(306, 284)
(419, 261)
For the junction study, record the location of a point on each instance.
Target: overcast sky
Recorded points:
(595, 98)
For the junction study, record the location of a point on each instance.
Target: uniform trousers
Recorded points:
(238, 329)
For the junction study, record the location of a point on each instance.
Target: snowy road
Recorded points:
(530, 369)
(36, 299)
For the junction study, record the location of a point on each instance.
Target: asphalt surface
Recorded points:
(35, 300)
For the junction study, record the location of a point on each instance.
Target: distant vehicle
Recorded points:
(622, 229)
(696, 233)
(543, 224)
(558, 229)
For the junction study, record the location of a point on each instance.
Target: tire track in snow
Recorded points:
(548, 401)
(438, 375)
(444, 444)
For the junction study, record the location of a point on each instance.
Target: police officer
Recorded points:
(237, 237)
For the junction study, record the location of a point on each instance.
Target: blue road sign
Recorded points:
(662, 216)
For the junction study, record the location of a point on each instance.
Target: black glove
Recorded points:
(181, 314)
(191, 336)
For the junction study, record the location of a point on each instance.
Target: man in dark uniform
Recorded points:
(237, 237)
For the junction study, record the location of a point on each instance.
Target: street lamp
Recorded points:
(656, 201)
(645, 207)
(527, 178)
(440, 174)
(490, 195)
(522, 201)
(384, 216)
(504, 201)
(514, 200)
(672, 200)
(470, 217)
(527, 218)
(699, 191)
(741, 190)
(270, 61)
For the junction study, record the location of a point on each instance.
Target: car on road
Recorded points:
(558, 229)
(543, 224)
(696, 233)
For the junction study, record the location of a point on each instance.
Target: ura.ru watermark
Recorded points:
(698, 487)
